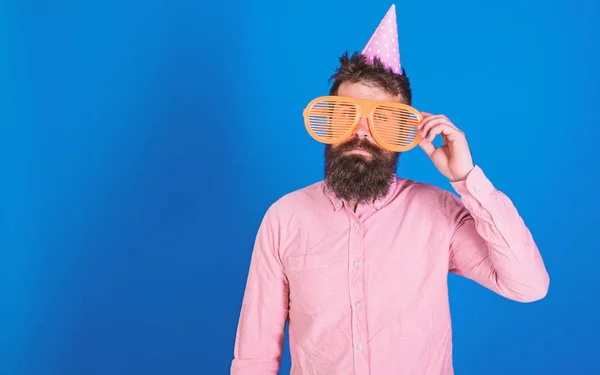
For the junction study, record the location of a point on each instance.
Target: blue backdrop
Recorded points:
(142, 141)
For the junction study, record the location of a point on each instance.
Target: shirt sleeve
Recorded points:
(264, 313)
(491, 243)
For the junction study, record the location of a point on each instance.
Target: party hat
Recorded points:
(384, 42)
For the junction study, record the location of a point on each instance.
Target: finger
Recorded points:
(445, 129)
(438, 120)
(427, 146)
(428, 119)
(427, 115)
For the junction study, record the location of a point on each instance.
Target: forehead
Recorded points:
(365, 91)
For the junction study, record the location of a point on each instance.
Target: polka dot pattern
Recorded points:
(384, 42)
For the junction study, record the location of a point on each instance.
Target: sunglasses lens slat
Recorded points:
(330, 121)
(395, 127)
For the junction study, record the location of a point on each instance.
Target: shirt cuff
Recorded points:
(476, 184)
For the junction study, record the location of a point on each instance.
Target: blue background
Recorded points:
(142, 141)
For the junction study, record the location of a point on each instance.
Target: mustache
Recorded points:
(355, 143)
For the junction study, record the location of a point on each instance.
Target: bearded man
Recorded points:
(357, 264)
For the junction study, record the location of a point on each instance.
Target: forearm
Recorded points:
(493, 245)
(260, 332)
(257, 350)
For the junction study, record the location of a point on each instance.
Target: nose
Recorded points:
(362, 130)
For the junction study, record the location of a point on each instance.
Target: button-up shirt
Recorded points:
(365, 291)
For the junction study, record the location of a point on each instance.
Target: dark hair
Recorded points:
(357, 69)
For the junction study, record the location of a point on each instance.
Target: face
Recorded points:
(359, 170)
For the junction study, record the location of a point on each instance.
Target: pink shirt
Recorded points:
(366, 293)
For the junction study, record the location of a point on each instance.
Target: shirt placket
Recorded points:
(357, 296)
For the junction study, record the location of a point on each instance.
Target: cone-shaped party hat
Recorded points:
(384, 42)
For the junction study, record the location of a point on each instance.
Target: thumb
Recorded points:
(427, 146)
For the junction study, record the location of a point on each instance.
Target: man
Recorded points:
(358, 263)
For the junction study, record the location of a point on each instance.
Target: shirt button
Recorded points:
(477, 188)
(337, 205)
(356, 224)
(359, 346)
(358, 305)
(356, 263)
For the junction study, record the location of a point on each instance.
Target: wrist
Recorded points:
(462, 176)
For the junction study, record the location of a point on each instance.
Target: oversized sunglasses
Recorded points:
(333, 119)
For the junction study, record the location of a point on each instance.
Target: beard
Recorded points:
(356, 177)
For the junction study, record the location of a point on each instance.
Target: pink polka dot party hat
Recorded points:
(384, 42)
